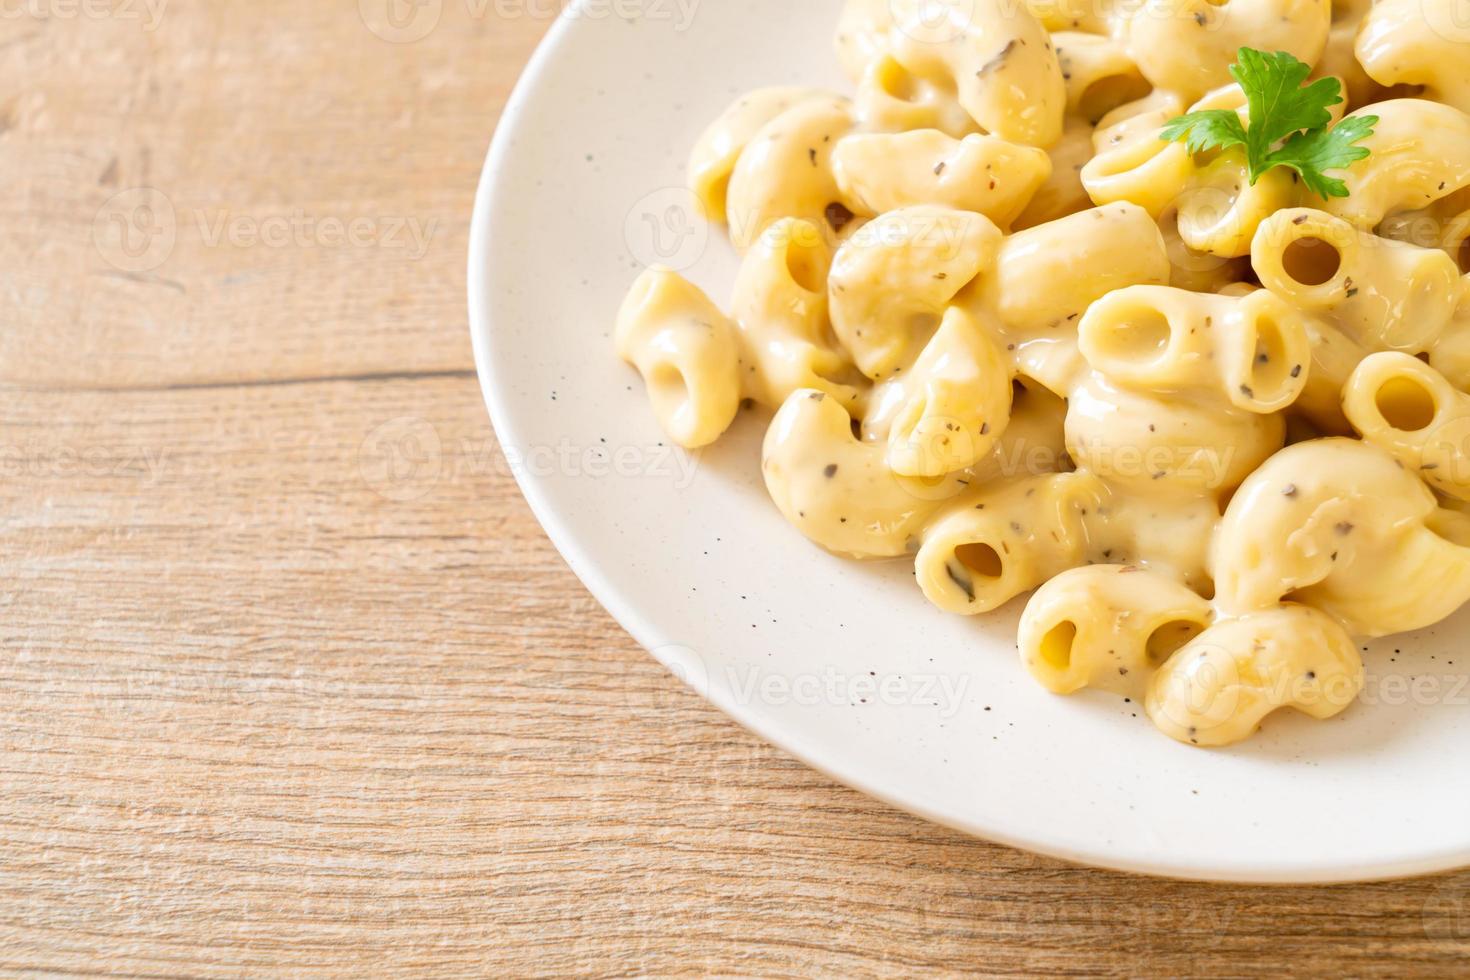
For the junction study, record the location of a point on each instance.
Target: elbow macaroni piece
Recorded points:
(892, 99)
(985, 550)
(1381, 293)
(892, 281)
(1106, 626)
(995, 57)
(953, 405)
(685, 349)
(1406, 407)
(838, 491)
(1251, 350)
(883, 172)
(714, 157)
(1186, 46)
(780, 306)
(1419, 42)
(1098, 73)
(1340, 525)
(785, 171)
(1217, 688)
(1419, 153)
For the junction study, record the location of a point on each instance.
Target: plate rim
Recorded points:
(644, 633)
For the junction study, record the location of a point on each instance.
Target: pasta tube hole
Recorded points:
(980, 558)
(1269, 370)
(1056, 645)
(1106, 94)
(1405, 404)
(1164, 641)
(1311, 261)
(1140, 337)
(667, 389)
(804, 261)
(1462, 256)
(895, 80)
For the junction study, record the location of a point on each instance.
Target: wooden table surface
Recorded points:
(292, 683)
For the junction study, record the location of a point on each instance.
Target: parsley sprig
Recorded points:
(1289, 123)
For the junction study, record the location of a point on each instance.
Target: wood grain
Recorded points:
(292, 684)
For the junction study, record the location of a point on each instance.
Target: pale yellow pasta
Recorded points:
(1033, 443)
(785, 172)
(892, 281)
(780, 306)
(1106, 626)
(892, 99)
(1092, 16)
(1098, 74)
(1444, 224)
(882, 172)
(838, 491)
(686, 350)
(1340, 525)
(1198, 272)
(1250, 350)
(986, 549)
(1168, 530)
(1217, 688)
(714, 157)
(996, 57)
(956, 402)
(1334, 356)
(1419, 42)
(1062, 192)
(1420, 152)
(1149, 444)
(1383, 294)
(1210, 199)
(862, 34)
(1340, 58)
(1450, 355)
(1010, 332)
(1045, 277)
(1402, 405)
(1186, 46)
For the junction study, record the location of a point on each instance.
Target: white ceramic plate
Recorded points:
(845, 665)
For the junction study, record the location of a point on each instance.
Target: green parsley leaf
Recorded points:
(1309, 154)
(1289, 123)
(1208, 129)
